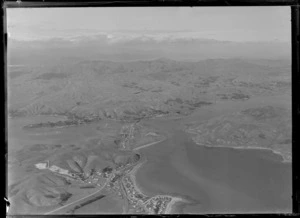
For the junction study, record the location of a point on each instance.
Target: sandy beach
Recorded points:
(133, 173)
(172, 203)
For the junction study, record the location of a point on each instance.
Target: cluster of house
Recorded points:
(92, 178)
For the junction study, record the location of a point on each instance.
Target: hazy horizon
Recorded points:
(237, 24)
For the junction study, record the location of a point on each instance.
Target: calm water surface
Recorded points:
(220, 180)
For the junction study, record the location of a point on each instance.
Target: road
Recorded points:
(124, 194)
(152, 143)
(108, 180)
(57, 209)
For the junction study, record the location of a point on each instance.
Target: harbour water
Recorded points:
(219, 180)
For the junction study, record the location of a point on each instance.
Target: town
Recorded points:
(119, 181)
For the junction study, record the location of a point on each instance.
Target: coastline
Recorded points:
(172, 203)
(284, 160)
(132, 175)
(174, 200)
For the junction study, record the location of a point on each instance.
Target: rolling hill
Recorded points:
(137, 89)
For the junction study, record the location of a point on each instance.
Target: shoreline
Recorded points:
(174, 199)
(132, 175)
(284, 160)
(172, 203)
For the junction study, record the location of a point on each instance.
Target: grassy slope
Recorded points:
(142, 88)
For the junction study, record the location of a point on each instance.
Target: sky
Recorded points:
(219, 23)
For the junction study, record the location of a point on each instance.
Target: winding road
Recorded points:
(108, 180)
(152, 143)
(57, 209)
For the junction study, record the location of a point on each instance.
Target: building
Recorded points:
(41, 166)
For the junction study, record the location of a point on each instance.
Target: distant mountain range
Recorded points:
(129, 47)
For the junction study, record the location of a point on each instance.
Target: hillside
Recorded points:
(139, 89)
(257, 127)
